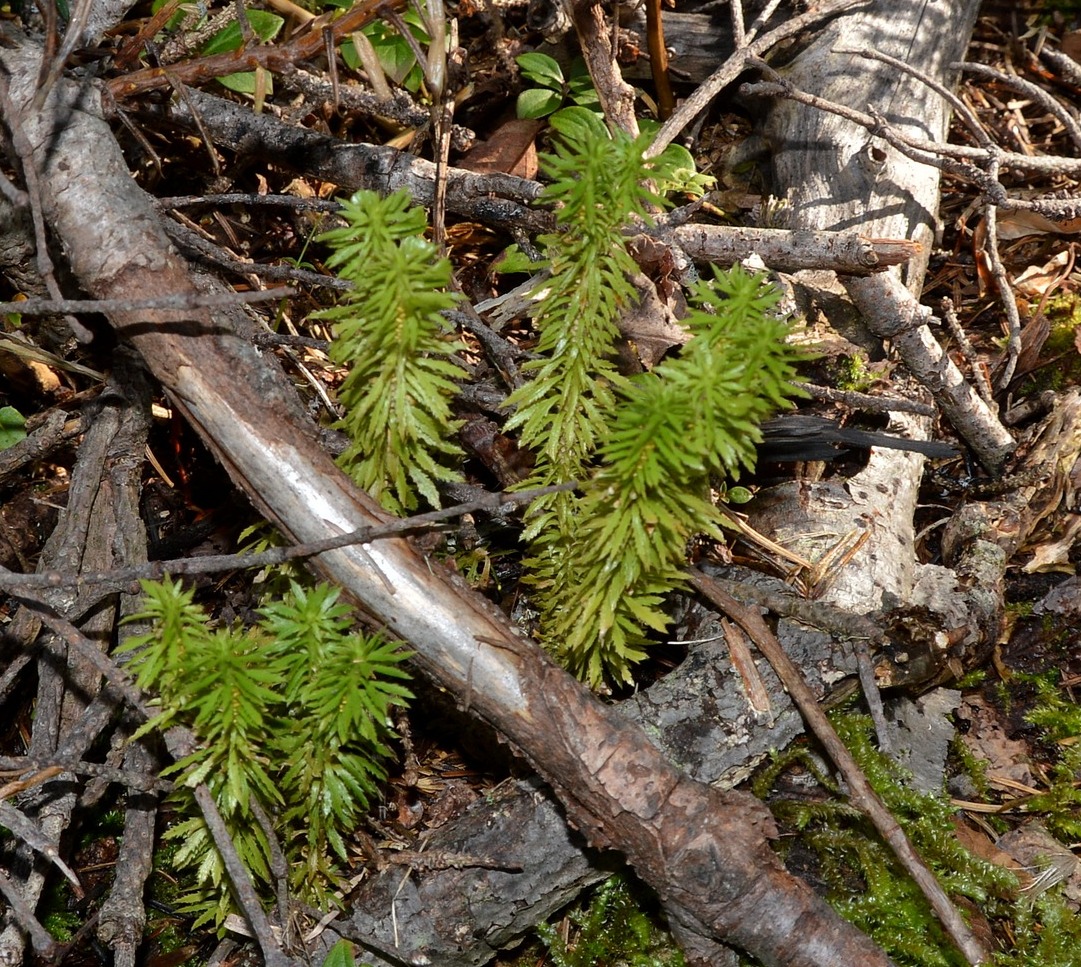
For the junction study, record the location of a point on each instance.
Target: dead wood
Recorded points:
(705, 851)
(859, 788)
(99, 529)
(499, 200)
(835, 174)
(698, 716)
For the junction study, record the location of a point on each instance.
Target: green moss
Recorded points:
(1020, 609)
(62, 924)
(863, 880)
(610, 930)
(971, 765)
(1059, 718)
(867, 886)
(972, 679)
(1063, 312)
(850, 374)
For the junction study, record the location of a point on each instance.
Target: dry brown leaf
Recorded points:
(650, 328)
(1037, 280)
(511, 149)
(977, 841)
(1018, 224)
(987, 739)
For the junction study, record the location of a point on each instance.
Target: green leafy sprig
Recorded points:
(292, 716)
(597, 188)
(391, 334)
(692, 419)
(601, 561)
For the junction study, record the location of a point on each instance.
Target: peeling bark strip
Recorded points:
(703, 850)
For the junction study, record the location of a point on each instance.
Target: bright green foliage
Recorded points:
(890, 908)
(602, 582)
(673, 169)
(1046, 933)
(390, 333)
(12, 427)
(602, 561)
(597, 188)
(1060, 719)
(292, 716)
(552, 86)
(612, 929)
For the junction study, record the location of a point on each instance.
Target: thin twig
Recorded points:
(44, 945)
(962, 160)
(1005, 290)
(240, 879)
(658, 59)
(733, 67)
(960, 109)
(615, 94)
(739, 33)
(761, 20)
(979, 375)
(867, 402)
(45, 307)
(119, 579)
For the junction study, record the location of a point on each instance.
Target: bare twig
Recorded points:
(960, 109)
(43, 943)
(240, 879)
(761, 20)
(734, 66)
(1005, 291)
(28, 832)
(275, 58)
(119, 579)
(867, 402)
(615, 94)
(44, 307)
(658, 59)
(979, 376)
(739, 34)
(934, 153)
(25, 152)
(139, 781)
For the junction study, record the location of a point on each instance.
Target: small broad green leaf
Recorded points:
(353, 62)
(395, 55)
(264, 25)
(738, 495)
(582, 92)
(537, 102)
(243, 82)
(579, 125)
(341, 955)
(12, 427)
(541, 69)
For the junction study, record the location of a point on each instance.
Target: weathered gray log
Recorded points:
(835, 175)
